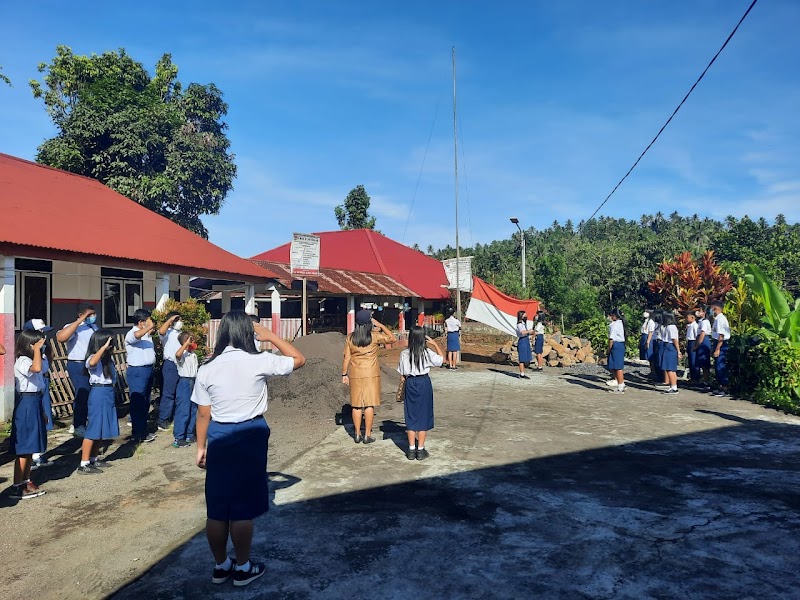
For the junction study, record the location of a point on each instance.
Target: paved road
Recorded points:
(548, 488)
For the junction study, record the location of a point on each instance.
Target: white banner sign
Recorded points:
(305, 255)
(464, 275)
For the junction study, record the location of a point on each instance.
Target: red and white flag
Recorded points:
(492, 307)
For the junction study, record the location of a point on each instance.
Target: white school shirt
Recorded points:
(670, 334)
(649, 326)
(96, 375)
(722, 328)
(26, 380)
(187, 364)
(78, 344)
(658, 333)
(691, 331)
(616, 331)
(539, 329)
(452, 324)
(171, 344)
(141, 352)
(430, 359)
(234, 384)
(705, 327)
(522, 327)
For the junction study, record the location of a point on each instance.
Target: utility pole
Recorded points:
(455, 157)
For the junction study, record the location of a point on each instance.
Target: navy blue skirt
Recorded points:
(703, 357)
(47, 405)
(645, 349)
(538, 344)
(28, 432)
(418, 407)
(669, 358)
(721, 365)
(236, 470)
(524, 350)
(616, 359)
(453, 341)
(102, 422)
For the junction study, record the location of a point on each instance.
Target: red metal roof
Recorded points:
(340, 281)
(368, 251)
(48, 212)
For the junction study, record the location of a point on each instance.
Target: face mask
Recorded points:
(177, 325)
(646, 315)
(91, 320)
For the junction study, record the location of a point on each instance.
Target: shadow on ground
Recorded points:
(704, 515)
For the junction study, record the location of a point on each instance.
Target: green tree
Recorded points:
(353, 214)
(147, 137)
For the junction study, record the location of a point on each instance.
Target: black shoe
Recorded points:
(89, 469)
(368, 439)
(101, 464)
(244, 577)
(358, 439)
(422, 454)
(222, 575)
(411, 454)
(163, 425)
(150, 437)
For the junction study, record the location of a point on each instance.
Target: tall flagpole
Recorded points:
(455, 157)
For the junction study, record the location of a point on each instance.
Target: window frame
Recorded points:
(19, 297)
(125, 319)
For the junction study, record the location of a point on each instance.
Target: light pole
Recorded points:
(515, 221)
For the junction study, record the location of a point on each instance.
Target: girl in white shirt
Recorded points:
(415, 364)
(670, 352)
(524, 351)
(231, 396)
(102, 421)
(28, 433)
(538, 343)
(616, 349)
(692, 331)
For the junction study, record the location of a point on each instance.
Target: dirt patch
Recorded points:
(327, 346)
(316, 388)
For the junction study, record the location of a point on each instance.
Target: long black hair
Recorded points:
(96, 342)
(25, 341)
(235, 329)
(669, 319)
(362, 335)
(417, 347)
(617, 313)
(519, 316)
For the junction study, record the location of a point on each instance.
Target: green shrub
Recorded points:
(195, 319)
(596, 331)
(742, 352)
(777, 368)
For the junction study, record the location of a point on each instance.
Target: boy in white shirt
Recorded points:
(720, 334)
(185, 409)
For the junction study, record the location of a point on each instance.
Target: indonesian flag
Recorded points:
(492, 307)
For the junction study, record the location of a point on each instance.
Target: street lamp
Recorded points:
(515, 221)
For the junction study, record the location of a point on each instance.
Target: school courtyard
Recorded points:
(542, 488)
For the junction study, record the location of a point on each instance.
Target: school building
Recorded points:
(363, 267)
(66, 239)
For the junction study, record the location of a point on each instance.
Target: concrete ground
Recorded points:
(545, 488)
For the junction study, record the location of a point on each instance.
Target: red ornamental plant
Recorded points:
(683, 283)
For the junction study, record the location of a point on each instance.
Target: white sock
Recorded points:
(85, 462)
(674, 387)
(225, 565)
(244, 567)
(420, 447)
(36, 456)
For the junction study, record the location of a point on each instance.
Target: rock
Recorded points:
(589, 360)
(567, 361)
(552, 363)
(556, 337)
(546, 349)
(585, 342)
(602, 362)
(499, 357)
(572, 343)
(552, 355)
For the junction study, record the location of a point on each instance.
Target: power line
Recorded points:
(686, 97)
(422, 166)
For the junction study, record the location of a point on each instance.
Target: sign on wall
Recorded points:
(304, 255)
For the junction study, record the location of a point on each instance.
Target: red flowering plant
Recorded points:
(684, 283)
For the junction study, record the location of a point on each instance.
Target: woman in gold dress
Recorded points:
(364, 379)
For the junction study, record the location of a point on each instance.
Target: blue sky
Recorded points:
(556, 100)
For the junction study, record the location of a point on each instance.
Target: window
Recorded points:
(121, 298)
(32, 297)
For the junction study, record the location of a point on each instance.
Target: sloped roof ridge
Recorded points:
(33, 163)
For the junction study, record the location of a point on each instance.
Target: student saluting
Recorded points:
(141, 358)
(76, 336)
(232, 438)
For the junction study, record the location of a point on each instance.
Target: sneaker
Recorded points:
(89, 469)
(180, 444)
(411, 454)
(150, 437)
(422, 454)
(241, 578)
(101, 464)
(41, 462)
(662, 384)
(358, 439)
(719, 393)
(72, 429)
(26, 491)
(222, 575)
(617, 391)
(79, 431)
(163, 426)
(670, 391)
(190, 440)
(611, 383)
(368, 439)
